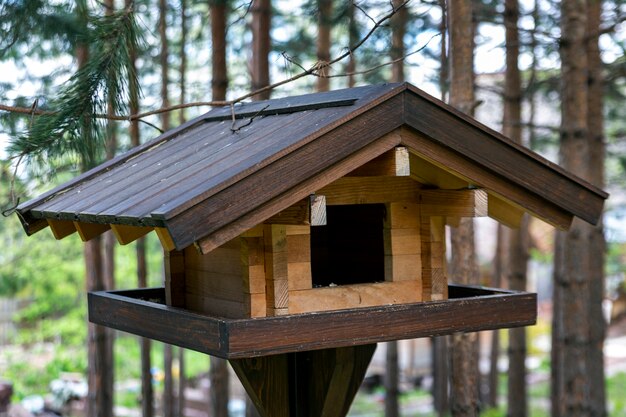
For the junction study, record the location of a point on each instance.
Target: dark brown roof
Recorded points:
(203, 176)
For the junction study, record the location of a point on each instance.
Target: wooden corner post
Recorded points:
(316, 383)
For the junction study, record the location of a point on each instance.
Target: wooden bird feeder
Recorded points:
(310, 228)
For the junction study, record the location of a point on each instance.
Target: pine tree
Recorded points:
(463, 266)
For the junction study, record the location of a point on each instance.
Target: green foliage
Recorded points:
(25, 23)
(74, 126)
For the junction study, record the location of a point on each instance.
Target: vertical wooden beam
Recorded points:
(402, 242)
(253, 264)
(434, 280)
(318, 383)
(276, 269)
(175, 278)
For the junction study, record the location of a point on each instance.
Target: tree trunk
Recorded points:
(261, 43)
(147, 395)
(147, 392)
(183, 62)
(108, 264)
(398, 28)
(218, 372)
(392, 376)
(440, 344)
(597, 244)
(517, 398)
(516, 394)
(499, 268)
(220, 392)
(463, 266)
(99, 364)
(443, 51)
(168, 380)
(571, 322)
(324, 24)
(182, 382)
(219, 82)
(353, 37)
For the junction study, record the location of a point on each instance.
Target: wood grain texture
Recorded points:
(175, 286)
(210, 184)
(370, 190)
(250, 220)
(477, 175)
(61, 228)
(88, 231)
(319, 383)
(127, 234)
(296, 173)
(353, 296)
(143, 312)
(454, 203)
(393, 163)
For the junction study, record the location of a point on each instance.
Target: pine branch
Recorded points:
(83, 100)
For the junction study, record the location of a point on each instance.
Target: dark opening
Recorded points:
(350, 248)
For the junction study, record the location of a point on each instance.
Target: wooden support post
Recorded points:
(318, 383)
(402, 242)
(175, 278)
(253, 263)
(434, 280)
(276, 269)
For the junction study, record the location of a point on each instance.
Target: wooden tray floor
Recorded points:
(143, 312)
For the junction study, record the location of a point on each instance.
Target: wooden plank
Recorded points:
(402, 241)
(505, 212)
(402, 215)
(175, 278)
(428, 173)
(266, 380)
(298, 230)
(406, 267)
(318, 210)
(218, 307)
(143, 312)
(253, 264)
(216, 285)
(255, 217)
(298, 248)
(165, 239)
(481, 309)
(309, 211)
(370, 190)
(222, 260)
(394, 163)
(299, 172)
(219, 167)
(128, 234)
(299, 276)
(476, 174)
(61, 228)
(352, 296)
(276, 271)
(256, 305)
(88, 231)
(454, 203)
(439, 280)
